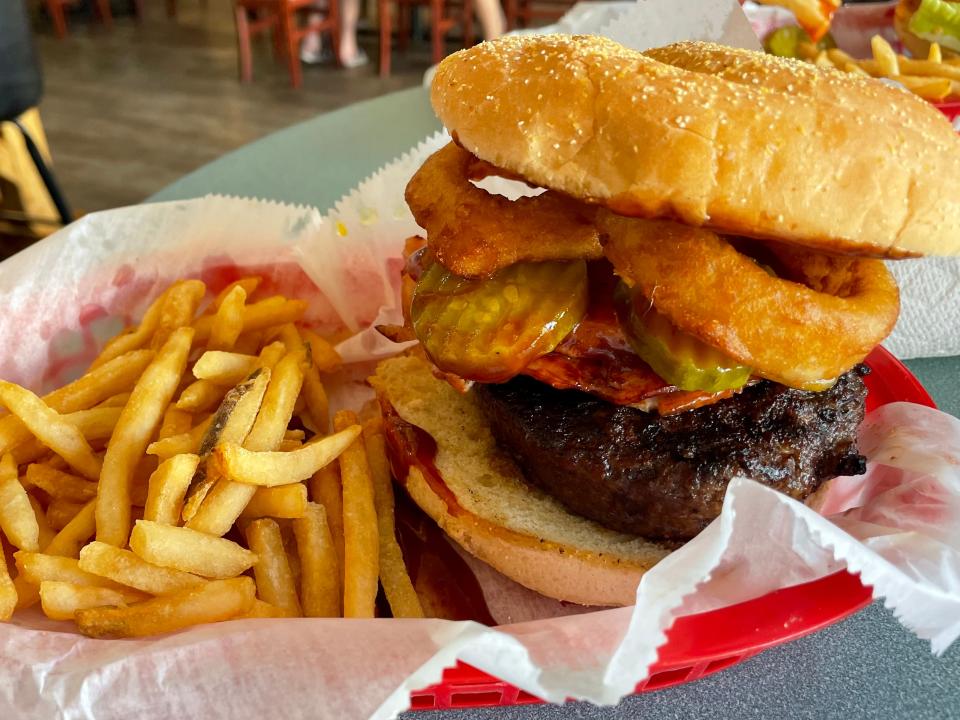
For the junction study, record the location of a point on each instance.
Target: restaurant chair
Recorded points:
(444, 16)
(520, 12)
(21, 88)
(282, 19)
(57, 11)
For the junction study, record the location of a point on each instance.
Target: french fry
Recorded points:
(200, 396)
(271, 354)
(139, 420)
(134, 339)
(179, 306)
(933, 89)
(115, 401)
(325, 489)
(46, 533)
(28, 594)
(167, 488)
(249, 343)
(38, 567)
(181, 548)
(396, 582)
(95, 424)
(885, 56)
(257, 316)
(318, 407)
(249, 285)
(232, 422)
(925, 68)
(289, 445)
(228, 499)
(50, 427)
(270, 469)
(272, 572)
(853, 67)
(934, 54)
(285, 501)
(361, 566)
(823, 60)
(211, 602)
(60, 485)
(188, 442)
(261, 609)
(17, 519)
(8, 592)
(320, 589)
(224, 368)
(839, 58)
(75, 533)
(60, 600)
(61, 512)
(228, 320)
(175, 422)
(325, 358)
(127, 568)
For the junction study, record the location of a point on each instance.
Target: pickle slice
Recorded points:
(678, 357)
(490, 329)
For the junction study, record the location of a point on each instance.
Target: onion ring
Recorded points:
(474, 233)
(814, 321)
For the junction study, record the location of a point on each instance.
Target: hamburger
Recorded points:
(688, 300)
(919, 23)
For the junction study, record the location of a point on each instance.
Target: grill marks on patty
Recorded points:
(665, 477)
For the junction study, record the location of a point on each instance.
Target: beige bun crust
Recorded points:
(520, 531)
(741, 142)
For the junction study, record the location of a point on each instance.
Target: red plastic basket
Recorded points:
(950, 109)
(698, 645)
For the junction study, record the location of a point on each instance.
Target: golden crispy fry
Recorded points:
(17, 519)
(361, 566)
(228, 320)
(8, 592)
(211, 602)
(285, 501)
(167, 488)
(929, 88)
(127, 568)
(38, 567)
(853, 67)
(261, 609)
(823, 60)
(229, 499)
(224, 368)
(325, 358)
(75, 533)
(60, 600)
(232, 422)
(115, 401)
(95, 424)
(175, 422)
(257, 316)
(885, 56)
(270, 469)
(200, 396)
(325, 489)
(136, 338)
(249, 285)
(46, 533)
(318, 407)
(289, 445)
(396, 582)
(61, 512)
(139, 420)
(929, 69)
(934, 54)
(320, 589)
(184, 549)
(188, 442)
(60, 485)
(57, 433)
(272, 354)
(28, 594)
(272, 571)
(179, 306)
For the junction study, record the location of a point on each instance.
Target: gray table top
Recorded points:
(867, 666)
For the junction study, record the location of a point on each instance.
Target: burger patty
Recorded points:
(665, 477)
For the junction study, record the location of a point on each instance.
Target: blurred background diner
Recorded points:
(115, 99)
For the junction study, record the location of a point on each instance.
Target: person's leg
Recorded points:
(491, 17)
(310, 46)
(350, 54)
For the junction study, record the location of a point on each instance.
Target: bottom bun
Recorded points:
(478, 496)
